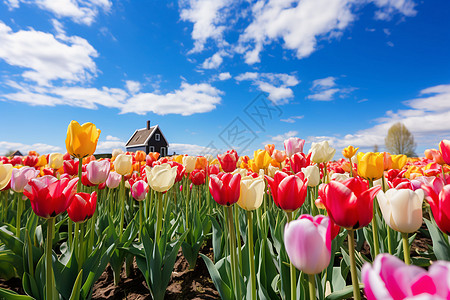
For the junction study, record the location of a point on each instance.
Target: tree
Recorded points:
(400, 140)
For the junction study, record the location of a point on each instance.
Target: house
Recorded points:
(148, 139)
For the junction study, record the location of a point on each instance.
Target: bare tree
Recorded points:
(400, 140)
(375, 148)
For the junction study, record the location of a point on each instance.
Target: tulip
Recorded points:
(308, 243)
(438, 196)
(197, 177)
(312, 173)
(116, 153)
(251, 193)
(435, 155)
(261, 159)
(225, 188)
(151, 158)
(180, 170)
(189, 163)
(98, 171)
(370, 165)
(214, 169)
(398, 161)
(228, 160)
(30, 161)
(70, 167)
(278, 156)
(82, 207)
(140, 156)
(288, 191)
(389, 278)
(123, 164)
(5, 174)
(321, 152)
(139, 190)
(340, 177)
(293, 145)
(21, 177)
(55, 160)
(42, 161)
(444, 148)
(269, 148)
(16, 160)
(161, 177)
(81, 140)
(349, 152)
(271, 170)
(297, 162)
(201, 163)
(349, 203)
(402, 209)
(49, 196)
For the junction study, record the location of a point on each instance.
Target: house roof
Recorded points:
(141, 137)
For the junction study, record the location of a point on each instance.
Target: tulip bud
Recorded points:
(123, 164)
(251, 193)
(321, 152)
(312, 173)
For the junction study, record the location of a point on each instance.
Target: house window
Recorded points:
(152, 149)
(157, 137)
(163, 151)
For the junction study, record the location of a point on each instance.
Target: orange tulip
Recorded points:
(140, 156)
(387, 161)
(269, 148)
(201, 163)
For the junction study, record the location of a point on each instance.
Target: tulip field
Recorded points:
(288, 223)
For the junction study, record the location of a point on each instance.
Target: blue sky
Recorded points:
(341, 70)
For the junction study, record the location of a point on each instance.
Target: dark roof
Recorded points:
(141, 137)
(16, 153)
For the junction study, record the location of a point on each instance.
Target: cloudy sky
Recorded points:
(224, 73)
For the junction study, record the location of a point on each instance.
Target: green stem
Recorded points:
(238, 236)
(351, 251)
(19, 213)
(443, 173)
(140, 221)
(389, 232)
(122, 206)
(312, 195)
(5, 206)
(325, 173)
(312, 287)
(251, 257)
(159, 218)
(376, 243)
(406, 248)
(351, 167)
(234, 267)
(292, 268)
(48, 255)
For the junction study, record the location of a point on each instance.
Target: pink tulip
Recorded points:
(444, 148)
(139, 190)
(308, 243)
(98, 171)
(20, 178)
(113, 180)
(390, 279)
(293, 145)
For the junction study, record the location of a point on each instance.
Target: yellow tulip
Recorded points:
(252, 193)
(42, 161)
(349, 152)
(262, 159)
(398, 161)
(5, 174)
(370, 165)
(179, 159)
(82, 140)
(56, 160)
(123, 164)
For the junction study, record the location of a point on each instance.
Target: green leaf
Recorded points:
(345, 293)
(441, 247)
(77, 287)
(223, 289)
(10, 295)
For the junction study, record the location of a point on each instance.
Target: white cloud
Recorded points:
(325, 90)
(208, 17)
(109, 145)
(324, 82)
(292, 119)
(112, 138)
(390, 44)
(47, 57)
(213, 62)
(80, 11)
(325, 95)
(387, 8)
(190, 149)
(276, 85)
(224, 76)
(24, 148)
(298, 23)
(188, 100)
(133, 86)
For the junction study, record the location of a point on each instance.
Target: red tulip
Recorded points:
(30, 160)
(82, 207)
(66, 156)
(228, 160)
(444, 148)
(349, 203)
(438, 196)
(297, 162)
(214, 169)
(181, 170)
(16, 160)
(225, 188)
(49, 196)
(71, 167)
(288, 191)
(197, 176)
(84, 179)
